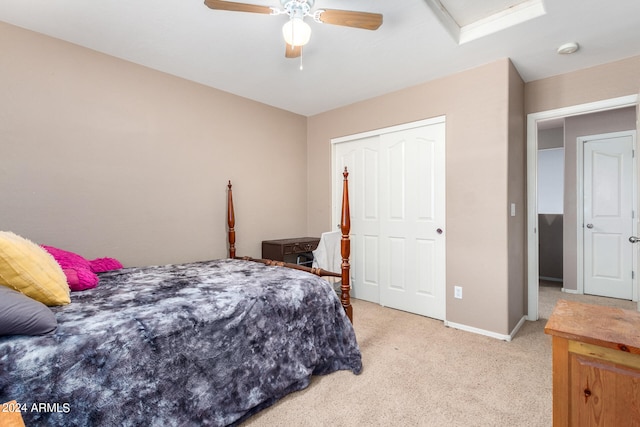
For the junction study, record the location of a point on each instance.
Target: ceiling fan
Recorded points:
(296, 32)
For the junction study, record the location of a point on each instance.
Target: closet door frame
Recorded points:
(437, 291)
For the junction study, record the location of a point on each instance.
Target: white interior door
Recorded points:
(412, 221)
(608, 216)
(397, 188)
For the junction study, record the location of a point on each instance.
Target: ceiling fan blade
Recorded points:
(364, 20)
(293, 51)
(237, 7)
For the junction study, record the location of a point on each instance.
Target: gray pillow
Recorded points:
(21, 315)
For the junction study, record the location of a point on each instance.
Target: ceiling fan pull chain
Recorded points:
(301, 52)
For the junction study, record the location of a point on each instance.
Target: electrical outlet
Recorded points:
(457, 292)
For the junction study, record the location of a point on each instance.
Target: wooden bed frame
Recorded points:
(345, 246)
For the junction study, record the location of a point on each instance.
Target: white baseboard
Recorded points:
(570, 291)
(484, 332)
(517, 328)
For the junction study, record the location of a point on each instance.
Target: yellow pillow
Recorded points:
(27, 268)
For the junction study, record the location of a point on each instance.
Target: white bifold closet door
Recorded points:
(397, 192)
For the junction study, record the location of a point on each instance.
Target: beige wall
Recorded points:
(516, 181)
(107, 158)
(620, 78)
(479, 144)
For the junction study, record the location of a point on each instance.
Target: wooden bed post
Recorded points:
(345, 247)
(231, 222)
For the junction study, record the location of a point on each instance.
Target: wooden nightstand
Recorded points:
(295, 251)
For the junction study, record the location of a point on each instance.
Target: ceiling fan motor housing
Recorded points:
(297, 8)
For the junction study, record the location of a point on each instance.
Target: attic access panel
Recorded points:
(468, 20)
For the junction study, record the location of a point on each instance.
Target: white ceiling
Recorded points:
(243, 53)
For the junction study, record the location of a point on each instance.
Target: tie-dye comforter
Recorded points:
(206, 343)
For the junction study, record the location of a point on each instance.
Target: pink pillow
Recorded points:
(80, 279)
(99, 265)
(75, 267)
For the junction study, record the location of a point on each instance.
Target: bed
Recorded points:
(202, 343)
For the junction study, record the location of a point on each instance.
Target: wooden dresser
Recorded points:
(596, 365)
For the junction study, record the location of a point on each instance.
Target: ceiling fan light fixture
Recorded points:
(296, 32)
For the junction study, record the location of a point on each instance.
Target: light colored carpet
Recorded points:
(417, 372)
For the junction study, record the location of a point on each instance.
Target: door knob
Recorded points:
(589, 225)
(634, 239)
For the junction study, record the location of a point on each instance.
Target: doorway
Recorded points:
(397, 215)
(533, 120)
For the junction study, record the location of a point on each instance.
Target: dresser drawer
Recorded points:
(297, 248)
